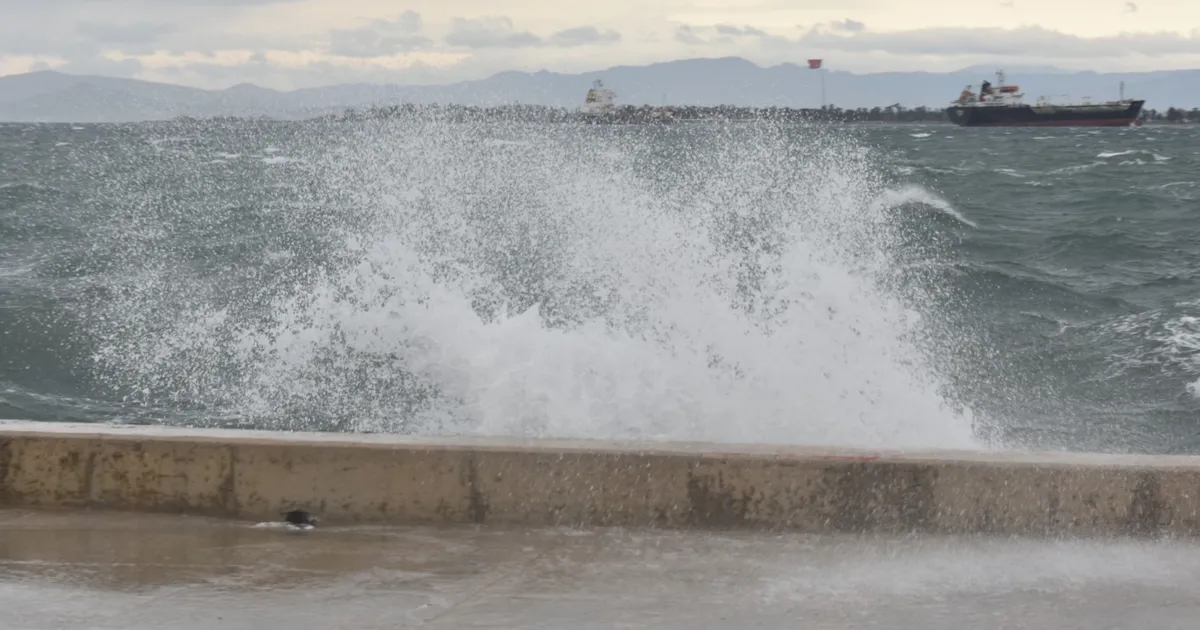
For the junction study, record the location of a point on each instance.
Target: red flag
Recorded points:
(814, 64)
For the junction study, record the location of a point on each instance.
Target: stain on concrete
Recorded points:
(7, 462)
(1147, 508)
(712, 503)
(477, 507)
(69, 461)
(89, 473)
(867, 497)
(227, 491)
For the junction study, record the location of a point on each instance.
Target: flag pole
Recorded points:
(817, 64)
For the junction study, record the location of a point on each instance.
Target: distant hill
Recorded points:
(50, 96)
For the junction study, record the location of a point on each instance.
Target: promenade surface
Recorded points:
(90, 569)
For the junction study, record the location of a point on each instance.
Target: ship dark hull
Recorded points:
(1050, 116)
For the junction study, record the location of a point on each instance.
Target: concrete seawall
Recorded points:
(411, 480)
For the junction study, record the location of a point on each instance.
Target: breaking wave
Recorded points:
(601, 283)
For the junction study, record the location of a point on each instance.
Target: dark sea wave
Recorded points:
(889, 285)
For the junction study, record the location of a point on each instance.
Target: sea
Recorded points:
(882, 286)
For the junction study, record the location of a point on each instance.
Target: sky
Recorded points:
(288, 44)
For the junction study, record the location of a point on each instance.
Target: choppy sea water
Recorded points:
(872, 285)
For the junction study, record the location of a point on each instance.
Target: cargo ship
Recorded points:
(1002, 105)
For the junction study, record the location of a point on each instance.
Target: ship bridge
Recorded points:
(599, 100)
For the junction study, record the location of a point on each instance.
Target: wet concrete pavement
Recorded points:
(135, 571)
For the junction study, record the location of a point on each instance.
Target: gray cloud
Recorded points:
(45, 43)
(79, 29)
(1032, 40)
(409, 22)
(733, 31)
(135, 33)
(365, 42)
(1131, 7)
(488, 32)
(380, 38)
(723, 34)
(97, 65)
(583, 36)
(139, 5)
(499, 32)
(262, 73)
(217, 3)
(848, 25)
(687, 35)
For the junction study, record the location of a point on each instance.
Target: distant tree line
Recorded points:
(1172, 115)
(679, 113)
(646, 114)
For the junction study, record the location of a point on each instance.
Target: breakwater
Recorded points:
(413, 480)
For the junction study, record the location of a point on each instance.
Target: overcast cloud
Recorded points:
(379, 37)
(996, 41)
(300, 43)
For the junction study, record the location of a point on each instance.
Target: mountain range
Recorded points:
(49, 96)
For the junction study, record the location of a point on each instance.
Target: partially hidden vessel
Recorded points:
(1002, 105)
(600, 107)
(599, 100)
